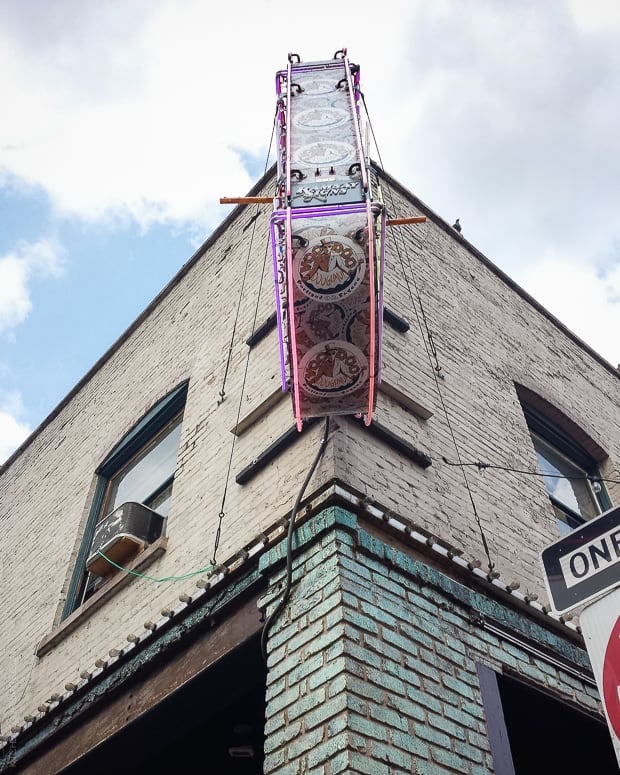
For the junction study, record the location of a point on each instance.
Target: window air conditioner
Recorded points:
(121, 535)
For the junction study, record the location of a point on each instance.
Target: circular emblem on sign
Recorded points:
(326, 152)
(333, 368)
(323, 322)
(317, 118)
(329, 268)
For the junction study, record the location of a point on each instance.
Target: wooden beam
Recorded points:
(403, 221)
(246, 200)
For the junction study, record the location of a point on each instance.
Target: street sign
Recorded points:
(584, 564)
(600, 626)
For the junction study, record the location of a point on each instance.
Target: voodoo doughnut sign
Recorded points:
(327, 229)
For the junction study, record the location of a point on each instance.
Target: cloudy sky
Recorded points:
(124, 121)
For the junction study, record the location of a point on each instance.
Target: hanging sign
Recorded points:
(327, 235)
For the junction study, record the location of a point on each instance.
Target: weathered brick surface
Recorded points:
(404, 694)
(486, 335)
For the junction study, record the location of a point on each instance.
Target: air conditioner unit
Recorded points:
(121, 535)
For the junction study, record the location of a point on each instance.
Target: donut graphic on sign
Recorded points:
(329, 268)
(333, 368)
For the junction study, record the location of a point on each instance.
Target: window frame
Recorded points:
(565, 445)
(143, 433)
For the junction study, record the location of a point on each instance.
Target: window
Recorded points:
(570, 471)
(139, 469)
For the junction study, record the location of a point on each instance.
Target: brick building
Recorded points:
(415, 635)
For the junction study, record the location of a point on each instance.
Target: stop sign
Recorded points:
(600, 625)
(611, 678)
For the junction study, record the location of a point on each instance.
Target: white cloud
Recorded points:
(586, 302)
(13, 430)
(17, 270)
(139, 112)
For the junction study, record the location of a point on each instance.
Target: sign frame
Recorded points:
(584, 564)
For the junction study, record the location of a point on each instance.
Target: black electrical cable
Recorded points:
(484, 466)
(289, 544)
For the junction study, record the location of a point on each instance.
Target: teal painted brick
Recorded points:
(415, 634)
(473, 709)
(363, 689)
(433, 736)
(414, 745)
(389, 682)
(274, 723)
(282, 738)
(360, 764)
(306, 742)
(333, 750)
(371, 544)
(396, 587)
(466, 751)
(363, 655)
(400, 642)
(392, 756)
(326, 673)
(402, 673)
(324, 606)
(306, 634)
(389, 717)
(455, 731)
(422, 698)
(334, 617)
(449, 759)
(379, 614)
(299, 604)
(329, 708)
(367, 727)
(305, 668)
(282, 701)
(340, 763)
(284, 666)
(497, 653)
(459, 686)
(452, 648)
(307, 703)
(478, 740)
(386, 651)
(274, 762)
(406, 707)
(421, 668)
(441, 665)
(332, 644)
(335, 684)
(274, 688)
(337, 725)
(281, 631)
(467, 715)
(352, 569)
(360, 621)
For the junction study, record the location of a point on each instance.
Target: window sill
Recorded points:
(113, 585)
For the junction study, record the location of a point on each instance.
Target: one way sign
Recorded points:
(585, 563)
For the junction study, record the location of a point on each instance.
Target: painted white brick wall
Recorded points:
(486, 336)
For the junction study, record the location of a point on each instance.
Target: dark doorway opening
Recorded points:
(533, 731)
(215, 723)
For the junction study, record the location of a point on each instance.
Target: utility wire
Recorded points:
(289, 544)
(153, 578)
(431, 352)
(484, 466)
(222, 514)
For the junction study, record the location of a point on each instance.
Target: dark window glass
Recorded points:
(141, 469)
